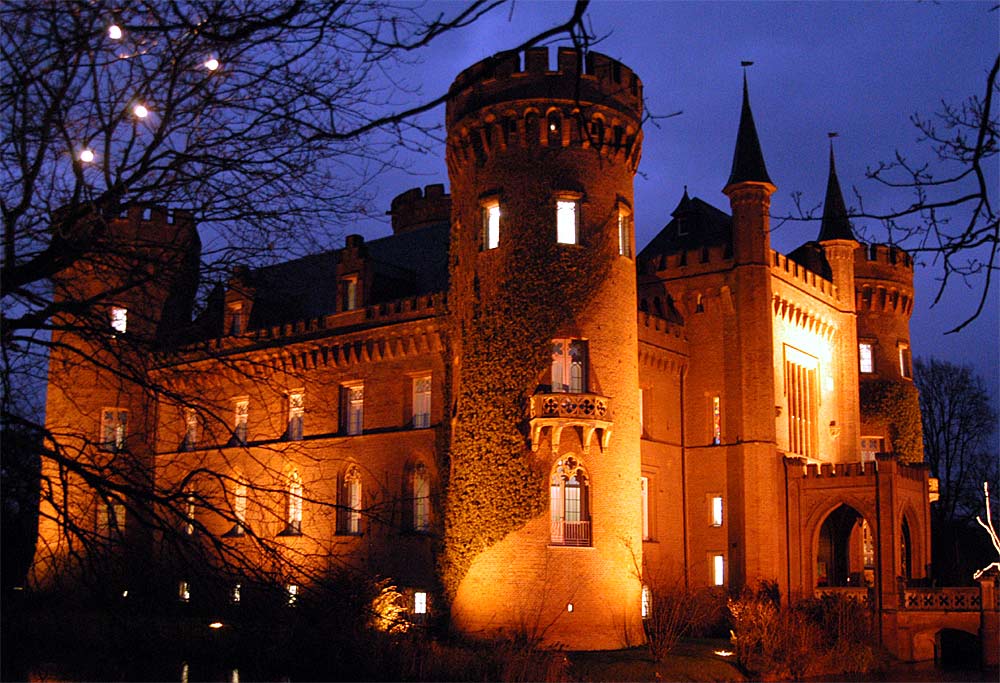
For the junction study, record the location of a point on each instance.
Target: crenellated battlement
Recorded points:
(883, 255)
(695, 260)
(499, 104)
(419, 208)
(801, 275)
(883, 280)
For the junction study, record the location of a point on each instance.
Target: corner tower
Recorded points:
(543, 516)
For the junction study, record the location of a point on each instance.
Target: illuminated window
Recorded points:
(867, 545)
(110, 520)
(420, 602)
(353, 411)
(189, 513)
(644, 492)
(349, 293)
(235, 593)
(190, 429)
(350, 501)
(293, 505)
(569, 365)
(184, 591)
(866, 357)
(870, 447)
(421, 498)
(421, 402)
(716, 510)
(718, 568)
(296, 411)
(491, 225)
(241, 414)
(240, 507)
(801, 390)
(567, 221)
(554, 126)
(905, 362)
(569, 504)
(119, 319)
(624, 231)
(114, 429)
(647, 602)
(292, 593)
(235, 319)
(716, 420)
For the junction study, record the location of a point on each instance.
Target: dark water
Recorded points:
(917, 671)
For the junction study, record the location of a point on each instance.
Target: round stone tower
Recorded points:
(544, 513)
(883, 283)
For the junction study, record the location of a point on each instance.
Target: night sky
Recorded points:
(860, 69)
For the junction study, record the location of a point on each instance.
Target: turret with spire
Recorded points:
(837, 238)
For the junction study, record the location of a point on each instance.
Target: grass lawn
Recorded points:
(691, 660)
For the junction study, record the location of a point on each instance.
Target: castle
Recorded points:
(505, 406)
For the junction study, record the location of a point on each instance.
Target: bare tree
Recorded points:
(959, 423)
(263, 122)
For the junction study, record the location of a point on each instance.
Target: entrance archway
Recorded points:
(846, 552)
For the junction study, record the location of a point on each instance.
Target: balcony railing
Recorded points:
(570, 533)
(591, 413)
(584, 406)
(857, 594)
(943, 599)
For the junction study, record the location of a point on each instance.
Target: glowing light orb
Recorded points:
(212, 64)
(215, 624)
(140, 111)
(724, 653)
(86, 156)
(114, 32)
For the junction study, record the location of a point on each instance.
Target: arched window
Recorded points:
(570, 504)
(554, 129)
(569, 365)
(421, 488)
(905, 559)
(350, 501)
(597, 132)
(531, 132)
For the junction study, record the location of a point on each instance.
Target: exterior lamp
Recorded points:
(114, 32)
(140, 111)
(212, 64)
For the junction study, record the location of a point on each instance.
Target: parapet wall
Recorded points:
(416, 208)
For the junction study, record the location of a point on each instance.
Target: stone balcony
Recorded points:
(589, 413)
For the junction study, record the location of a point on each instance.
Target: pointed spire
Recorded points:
(748, 161)
(835, 225)
(684, 205)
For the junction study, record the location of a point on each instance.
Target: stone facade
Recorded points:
(691, 413)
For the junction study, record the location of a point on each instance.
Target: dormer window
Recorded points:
(235, 313)
(349, 293)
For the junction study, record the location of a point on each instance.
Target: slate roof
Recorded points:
(695, 224)
(748, 160)
(835, 225)
(407, 264)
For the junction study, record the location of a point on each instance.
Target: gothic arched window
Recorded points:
(350, 501)
(570, 503)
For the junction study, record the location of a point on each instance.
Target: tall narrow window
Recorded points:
(190, 429)
(351, 501)
(114, 429)
(421, 402)
(567, 221)
(349, 293)
(718, 569)
(716, 420)
(569, 504)
(491, 225)
(867, 545)
(421, 498)
(239, 509)
(905, 361)
(554, 125)
(569, 365)
(293, 505)
(119, 319)
(646, 602)
(296, 411)
(241, 416)
(189, 514)
(624, 231)
(420, 602)
(353, 415)
(715, 510)
(801, 390)
(184, 591)
(644, 492)
(866, 357)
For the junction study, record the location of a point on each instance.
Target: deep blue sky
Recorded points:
(857, 68)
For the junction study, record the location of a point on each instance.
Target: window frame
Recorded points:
(716, 510)
(241, 420)
(351, 501)
(647, 526)
(421, 397)
(905, 360)
(625, 229)
(566, 364)
(349, 293)
(293, 504)
(862, 365)
(118, 319)
(492, 215)
(718, 569)
(296, 415)
(716, 416)
(566, 470)
(563, 201)
(352, 408)
(114, 429)
(420, 488)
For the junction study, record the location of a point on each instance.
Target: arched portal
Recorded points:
(846, 552)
